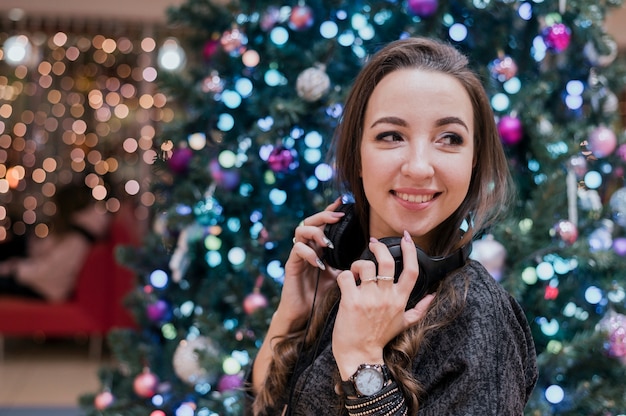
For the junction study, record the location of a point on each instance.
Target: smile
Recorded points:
(415, 198)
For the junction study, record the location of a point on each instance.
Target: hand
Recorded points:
(373, 313)
(304, 264)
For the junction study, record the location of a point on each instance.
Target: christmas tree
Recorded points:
(244, 162)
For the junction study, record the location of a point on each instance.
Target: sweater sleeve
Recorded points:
(484, 362)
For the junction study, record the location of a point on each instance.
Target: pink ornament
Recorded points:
(578, 164)
(233, 41)
(229, 382)
(253, 302)
(156, 311)
(621, 152)
(614, 324)
(280, 159)
(225, 178)
(491, 254)
(301, 18)
(270, 18)
(602, 141)
(557, 37)
(510, 130)
(145, 384)
(566, 231)
(422, 8)
(179, 162)
(158, 413)
(103, 400)
(210, 48)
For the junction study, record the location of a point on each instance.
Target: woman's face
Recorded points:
(417, 152)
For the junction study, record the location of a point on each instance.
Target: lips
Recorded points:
(420, 199)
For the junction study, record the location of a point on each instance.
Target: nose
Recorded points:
(418, 162)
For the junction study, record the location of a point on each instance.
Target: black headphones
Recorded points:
(350, 244)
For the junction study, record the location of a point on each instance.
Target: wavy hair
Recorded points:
(489, 193)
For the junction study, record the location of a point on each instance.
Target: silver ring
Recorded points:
(293, 240)
(370, 279)
(385, 278)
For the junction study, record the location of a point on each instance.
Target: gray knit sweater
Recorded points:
(484, 363)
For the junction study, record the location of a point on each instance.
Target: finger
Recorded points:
(410, 266)
(308, 254)
(386, 262)
(417, 313)
(364, 271)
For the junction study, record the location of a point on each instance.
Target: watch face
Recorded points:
(369, 381)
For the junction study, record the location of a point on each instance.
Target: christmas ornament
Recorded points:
(578, 165)
(566, 231)
(186, 360)
(601, 239)
(619, 246)
(602, 60)
(510, 130)
(229, 382)
(224, 178)
(157, 310)
(280, 159)
(103, 400)
(233, 41)
(301, 18)
(270, 18)
(503, 68)
(210, 48)
(602, 141)
(208, 211)
(253, 302)
(422, 8)
(145, 384)
(617, 202)
(614, 325)
(179, 162)
(312, 84)
(557, 37)
(491, 254)
(212, 84)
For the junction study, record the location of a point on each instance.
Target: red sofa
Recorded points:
(95, 307)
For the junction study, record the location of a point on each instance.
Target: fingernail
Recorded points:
(320, 264)
(373, 240)
(328, 243)
(337, 214)
(407, 236)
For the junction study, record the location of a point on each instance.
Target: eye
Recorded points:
(452, 139)
(389, 136)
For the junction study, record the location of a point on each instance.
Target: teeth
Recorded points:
(415, 198)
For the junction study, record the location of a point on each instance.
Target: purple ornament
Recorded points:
(179, 162)
(510, 130)
(602, 141)
(229, 382)
(557, 37)
(619, 246)
(156, 311)
(422, 8)
(280, 159)
(226, 178)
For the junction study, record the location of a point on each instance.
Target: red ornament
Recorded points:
(145, 384)
(280, 159)
(156, 311)
(557, 37)
(566, 231)
(179, 162)
(503, 69)
(510, 130)
(103, 400)
(253, 302)
(301, 18)
(422, 8)
(551, 293)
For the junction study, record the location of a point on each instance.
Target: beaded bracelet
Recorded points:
(389, 402)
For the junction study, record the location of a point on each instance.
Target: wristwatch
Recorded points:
(368, 380)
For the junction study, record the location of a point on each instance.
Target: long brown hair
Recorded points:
(489, 193)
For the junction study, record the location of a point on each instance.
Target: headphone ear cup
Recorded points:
(347, 238)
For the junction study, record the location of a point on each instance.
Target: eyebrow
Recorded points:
(401, 122)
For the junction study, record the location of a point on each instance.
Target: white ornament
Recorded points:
(312, 84)
(186, 359)
(491, 254)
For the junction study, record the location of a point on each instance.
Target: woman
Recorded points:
(419, 151)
